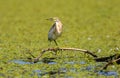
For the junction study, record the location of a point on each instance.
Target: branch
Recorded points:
(107, 58)
(111, 62)
(29, 52)
(63, 49)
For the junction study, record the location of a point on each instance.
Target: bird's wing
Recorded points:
(53, 28)
(51, 32)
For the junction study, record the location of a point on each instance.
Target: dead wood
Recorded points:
(113, 59)
(109, 59)
(110, 63)
(63, 49)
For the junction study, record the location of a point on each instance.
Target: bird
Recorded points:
(56, 30)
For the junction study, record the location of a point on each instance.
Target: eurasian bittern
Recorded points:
(56, 30)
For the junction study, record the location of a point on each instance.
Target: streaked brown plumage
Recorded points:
(56, 30)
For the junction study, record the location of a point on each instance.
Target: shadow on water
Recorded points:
(53, 73)
(72, 62)
(92, 68)
(61, 73)
(48, 60)
(21, 62)
(108, 73)
(44, 60)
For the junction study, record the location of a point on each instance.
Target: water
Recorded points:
(72, 62)
(90, 68)
(38, 72)
(53, 74)
(108, 73)
(22, 62)
(52, 62)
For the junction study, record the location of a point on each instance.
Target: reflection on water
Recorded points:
(82, 62)
(108, 73)
(52, 74)
(21, 62)
(90, 68)
(37, 72)
(26, 62)
(52, 62)
(105, 73)
(72, 62)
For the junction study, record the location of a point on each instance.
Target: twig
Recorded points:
(63, 49)
(29, 52)
(108, 58)
(110, 63)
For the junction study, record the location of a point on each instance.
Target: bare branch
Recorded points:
(107, 58)
(110, 63)
(29, 52)
(63, 49)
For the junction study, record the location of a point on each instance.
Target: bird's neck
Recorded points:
(58, 23)
(57, 20)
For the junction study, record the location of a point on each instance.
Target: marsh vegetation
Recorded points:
(92, 25)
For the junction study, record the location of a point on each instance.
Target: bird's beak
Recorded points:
(50, 19)
(47, 19)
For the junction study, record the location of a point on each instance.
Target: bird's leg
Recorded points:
(55, 42)
(56, 45)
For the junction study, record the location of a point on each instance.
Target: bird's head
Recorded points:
(53, 19)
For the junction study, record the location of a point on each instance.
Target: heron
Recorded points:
(55, 31)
